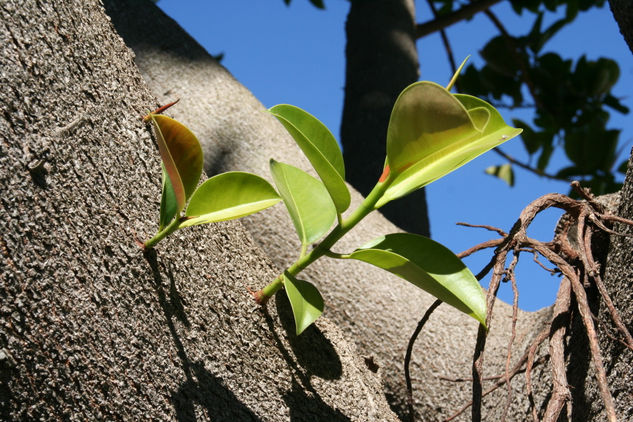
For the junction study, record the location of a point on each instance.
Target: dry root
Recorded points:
(572, 255)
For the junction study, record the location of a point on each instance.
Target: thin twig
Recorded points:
(487, 244)
(407, 357)
(448, 19)
(531, 364)
(549, 270)
(445, 41)
(483, 226)
(515, 310)
(528, 167)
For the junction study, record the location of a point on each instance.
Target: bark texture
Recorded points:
(619, 282)
(376, 310)
(381, 60)
(90, 328)
(623, 13)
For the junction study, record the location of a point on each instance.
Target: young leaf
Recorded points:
(503, 172)
(305, 300)
(433, 132)
(227, 196)
(182, 157)
(307, 200)
(428, 265)
(318, 144)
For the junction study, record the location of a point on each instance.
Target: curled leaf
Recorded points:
(433, 132)
(321, 149)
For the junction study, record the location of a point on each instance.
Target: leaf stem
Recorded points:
(335, 255)
(323, 248)
(172, 227)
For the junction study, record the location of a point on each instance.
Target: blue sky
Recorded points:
(295, 55)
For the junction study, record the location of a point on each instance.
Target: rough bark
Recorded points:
(381, 60)
(623, 13)
(90, 328)
(378, 311)
(619, 282)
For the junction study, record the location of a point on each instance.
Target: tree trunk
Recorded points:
(381, 60)
(90, 327)
(623, 13)
(377, 311)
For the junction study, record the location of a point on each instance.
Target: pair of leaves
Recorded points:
(182, 159)
(222, 197)
(321, 149)
(433, 132)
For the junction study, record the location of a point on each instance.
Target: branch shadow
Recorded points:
(201, 387)
(315, 356)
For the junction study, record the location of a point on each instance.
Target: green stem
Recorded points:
(323, 248)
(172, 227)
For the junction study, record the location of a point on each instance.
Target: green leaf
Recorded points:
(305, 300)
(227, 196)
(623, 167)
(168, 203)
(615, 104)
(433, 132)
(503, 172)
(182, 158)
(430, 266)
(307, 200)
(319, 145)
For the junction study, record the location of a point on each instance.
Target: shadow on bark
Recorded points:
(303, 400)
(201, 388)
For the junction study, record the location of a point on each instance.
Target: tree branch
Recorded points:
(426, 28)
(528, 167)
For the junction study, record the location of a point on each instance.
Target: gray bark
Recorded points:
(376, 310)
(381, 59)
(90, 328)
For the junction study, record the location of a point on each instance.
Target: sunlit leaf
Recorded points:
(433, 132)
(305, 300)
(307, 200)
(430, 266)
(503, 172)
(227, 196)
(318, 144)
(182, 158)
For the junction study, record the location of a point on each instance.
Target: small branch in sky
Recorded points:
(447, 44)
(528, 167)
(439, 23)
